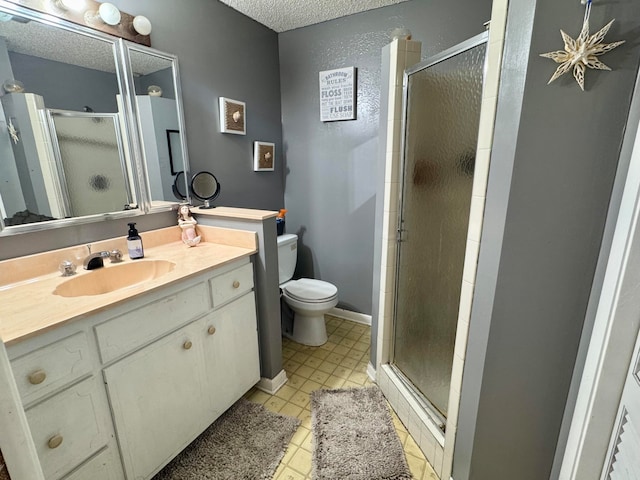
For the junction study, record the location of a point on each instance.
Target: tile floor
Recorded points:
(339, 363)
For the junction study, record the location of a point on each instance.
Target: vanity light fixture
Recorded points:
(141, 25)
(107, 13)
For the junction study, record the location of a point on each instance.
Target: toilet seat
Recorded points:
(310, 291)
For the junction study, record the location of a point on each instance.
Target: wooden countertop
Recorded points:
(231, 212)
(28, 305)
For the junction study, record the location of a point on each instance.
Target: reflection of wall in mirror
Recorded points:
(161, 78)
(157, 115)
(67, 87)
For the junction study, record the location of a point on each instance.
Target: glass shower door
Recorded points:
(443, 99)
(90, 156)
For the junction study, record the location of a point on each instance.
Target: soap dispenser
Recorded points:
(134, 243)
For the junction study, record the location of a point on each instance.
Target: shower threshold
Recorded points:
(424, 403)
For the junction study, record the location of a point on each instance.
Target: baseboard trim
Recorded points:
(272, 385)
(371, 371)
(353, 316)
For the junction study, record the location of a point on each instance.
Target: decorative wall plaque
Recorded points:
(232, 116)
(338, 94)
(263, 156)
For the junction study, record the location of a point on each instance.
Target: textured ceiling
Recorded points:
(283, 15)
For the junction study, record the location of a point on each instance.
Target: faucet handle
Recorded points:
(67, 268)
(115, 255)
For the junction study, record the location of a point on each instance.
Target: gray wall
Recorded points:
(223, 53)
(220, 53)
(331, 171)
(552, 169)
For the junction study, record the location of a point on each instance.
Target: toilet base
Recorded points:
(308, 330)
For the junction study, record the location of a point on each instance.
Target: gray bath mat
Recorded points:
(354, 437)
(247, 442)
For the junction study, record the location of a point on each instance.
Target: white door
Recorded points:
(623, 457)
(606, 418)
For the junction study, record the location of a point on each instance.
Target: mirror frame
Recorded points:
(126, 47)
(130, 119)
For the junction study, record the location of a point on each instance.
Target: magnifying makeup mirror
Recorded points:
(205, 186)
(179, 186)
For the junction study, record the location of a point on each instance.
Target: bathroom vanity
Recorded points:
(115, 385)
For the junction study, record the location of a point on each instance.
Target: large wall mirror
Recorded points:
(83, 132)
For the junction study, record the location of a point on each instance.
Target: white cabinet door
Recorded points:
(157, 400)
(231, 352)
(104, 466)
(623, 458)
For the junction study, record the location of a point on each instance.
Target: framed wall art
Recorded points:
(233, 116)
(263, 156)
(338, 94)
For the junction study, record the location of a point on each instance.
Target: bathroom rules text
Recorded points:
(338, 94)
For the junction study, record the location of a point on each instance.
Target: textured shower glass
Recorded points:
(443, 113)
(92, 162)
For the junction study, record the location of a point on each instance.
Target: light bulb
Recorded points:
(109, 13)
(106, 13)
(75, 5)
(401, 33)
(142, 25)
(13, 86)
(154, 91)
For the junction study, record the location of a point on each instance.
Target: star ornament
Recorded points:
(582, 52)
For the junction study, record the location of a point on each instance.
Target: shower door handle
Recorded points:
(400, 235)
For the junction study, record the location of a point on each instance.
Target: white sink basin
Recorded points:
(110, 278)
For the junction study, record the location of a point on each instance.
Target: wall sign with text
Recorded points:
(338, 94)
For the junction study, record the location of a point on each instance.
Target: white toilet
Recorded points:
(309, 299)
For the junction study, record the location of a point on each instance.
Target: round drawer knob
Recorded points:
(236, 284)
(187, 345)
(37, 377)
(211, 330)
(55, 441)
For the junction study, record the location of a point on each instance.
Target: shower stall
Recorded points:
(442, 101)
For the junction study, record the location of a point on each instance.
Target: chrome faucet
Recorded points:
(96, 260)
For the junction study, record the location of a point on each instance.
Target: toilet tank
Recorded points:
(287, 256)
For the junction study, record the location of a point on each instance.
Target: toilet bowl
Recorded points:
(308, 298)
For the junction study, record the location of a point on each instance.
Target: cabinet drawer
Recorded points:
(104, 466)
(127, 332)
(69, 427)
(51, 367)
(232, 284)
